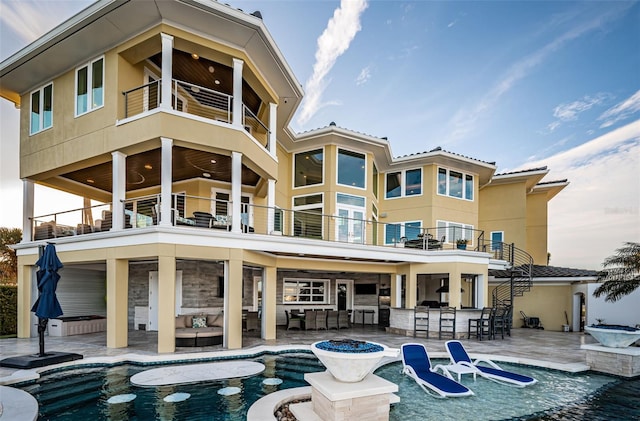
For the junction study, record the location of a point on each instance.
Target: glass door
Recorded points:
(350, 225)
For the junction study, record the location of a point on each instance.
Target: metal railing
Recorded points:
(520, 272)
(209, 213)
(194, 100)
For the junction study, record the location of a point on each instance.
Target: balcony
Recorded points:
(194, 101)
(215, 216)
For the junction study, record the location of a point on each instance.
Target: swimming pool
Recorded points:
(85, 393)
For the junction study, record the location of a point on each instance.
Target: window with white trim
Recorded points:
(403, 183)
(454, 231)
(308, 168)
(307, 216)
(305, 291)
(351, 168)
(396, 233)
(41, 109)
(497, 238)
(455, 184)
(90, 86)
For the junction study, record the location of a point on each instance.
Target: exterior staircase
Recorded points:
(520, 265)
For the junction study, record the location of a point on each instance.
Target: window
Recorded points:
(497, 238)
(453, 231)
(455, 184)
(277, 219)
(404, 183)
(42, 109)
(393, 233)
(90, 86)
(375, 180)
(307, 216)
(305, 291)
(351, 168)
(308, 168)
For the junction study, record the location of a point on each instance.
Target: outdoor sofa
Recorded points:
(199, 329)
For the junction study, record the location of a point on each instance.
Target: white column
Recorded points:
(236, 190)
(273, 120)
(166, 182)
(119, 189)
(27, 210)
(167, 71)
(271, 203)
(237, 93)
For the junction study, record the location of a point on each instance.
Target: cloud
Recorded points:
(601, 205)
(452, 23)
(570, 111)
(464, 120)
(364, 76)
(621, 111)
(334, 41)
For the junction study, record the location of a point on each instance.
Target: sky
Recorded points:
(520, 83)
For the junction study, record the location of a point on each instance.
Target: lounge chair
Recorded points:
(417, 365)
(459, 356)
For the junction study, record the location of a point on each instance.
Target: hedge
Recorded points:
(8, 309)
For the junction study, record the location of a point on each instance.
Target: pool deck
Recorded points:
(560, 350)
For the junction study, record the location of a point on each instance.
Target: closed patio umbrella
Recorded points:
(47, 305)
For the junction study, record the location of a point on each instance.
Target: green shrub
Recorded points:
(8, 309)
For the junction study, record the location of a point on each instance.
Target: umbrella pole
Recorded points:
(42, 325)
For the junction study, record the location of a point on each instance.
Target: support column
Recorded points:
(271, 204)
(166, 304)
(237, 110)
(411, 288)
(166, 182)
(119, 189)
(236, 191)
(269, 283)
(273, 121)
(455, 283)
(25, 299)
(167, 71)
(233, 300)
(117, 302)
(27, 210)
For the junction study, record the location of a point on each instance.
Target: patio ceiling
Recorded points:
(143, 170)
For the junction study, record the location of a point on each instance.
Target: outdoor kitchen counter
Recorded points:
(401, 321)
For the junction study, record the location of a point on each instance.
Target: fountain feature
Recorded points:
(348, 390)
(614, 354)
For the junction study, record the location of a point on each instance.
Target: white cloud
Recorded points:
(600, 209)
(621, 111)
(334, 41)
(452, 23)
(364, 76)
(571, 111)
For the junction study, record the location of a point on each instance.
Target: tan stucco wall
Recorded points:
(503, 207)
(537, 227)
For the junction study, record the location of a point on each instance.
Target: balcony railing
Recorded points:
(206, 213)
(193, 100)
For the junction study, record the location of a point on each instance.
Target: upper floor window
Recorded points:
(404, 183)
(351, 168)
(455, 184)
(497, 238)
(450, 232)
(308, 168)
(396, 233)
(90, 86)
(307, 216)
(41, 109)
(375, 180)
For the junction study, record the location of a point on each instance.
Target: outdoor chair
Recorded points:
(421, 320)
(343, 319)
(293, 322)
(482, 326)
(499, 321)
(332, 319)
(321, 319)
(203, 219)
(252, 321)
(309, 319)
(447, 322)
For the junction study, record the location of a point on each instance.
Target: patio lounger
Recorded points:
(459, 356)
(417, 365)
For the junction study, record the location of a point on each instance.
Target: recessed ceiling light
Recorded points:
(90, 180)
(211, 69)
(148, 166)
(195, 56)
(206, 174)
(217, 82)
(195, 89)
(213, 161)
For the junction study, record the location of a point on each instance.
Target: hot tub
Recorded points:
(614, 336)
(77, 325)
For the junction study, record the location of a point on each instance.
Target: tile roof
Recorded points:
(522, 171)
(552, 182)
(439, 149)
(540, 271)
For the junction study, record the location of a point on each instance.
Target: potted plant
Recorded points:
(461, 243)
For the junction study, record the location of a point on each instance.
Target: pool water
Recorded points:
(86, 393)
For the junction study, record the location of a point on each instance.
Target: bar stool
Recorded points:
(421, 320)
(447, 322)
(499, 321)
(482, 326)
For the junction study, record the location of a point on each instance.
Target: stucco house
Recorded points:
(172, 119)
